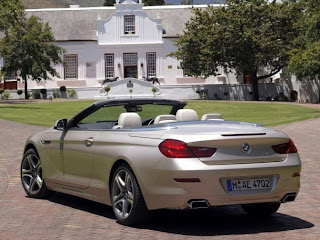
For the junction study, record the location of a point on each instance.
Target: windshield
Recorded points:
(107, 117)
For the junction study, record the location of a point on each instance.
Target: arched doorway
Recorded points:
(294, 96)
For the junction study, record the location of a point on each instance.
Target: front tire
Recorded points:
(31, 175)
(127, 200)
(261, 209)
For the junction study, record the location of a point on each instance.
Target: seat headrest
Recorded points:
(129, 120)
(212, 116)
(186, 115)
(164, 119)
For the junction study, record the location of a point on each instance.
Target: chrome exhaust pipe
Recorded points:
(290, 197)
(197, 204)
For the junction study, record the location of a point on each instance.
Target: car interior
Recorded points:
(134, 117)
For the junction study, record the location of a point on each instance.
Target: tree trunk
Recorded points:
(255, 87)
(26, 96)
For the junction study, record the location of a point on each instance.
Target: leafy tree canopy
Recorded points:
(245, 36)
(109, 2)
(305, 56)
(28, 50)
(11, 12)
(154, 2)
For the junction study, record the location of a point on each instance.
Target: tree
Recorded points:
(186, 2)
(245, 36)
(109, 3)
(154, 2)
(305, 56)
(28, 49)
(11, 12)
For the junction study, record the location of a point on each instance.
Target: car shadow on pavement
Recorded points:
(226, 220)
(82, 204)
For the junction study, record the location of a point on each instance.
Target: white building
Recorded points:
(130, 40)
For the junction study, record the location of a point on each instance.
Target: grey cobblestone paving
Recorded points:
(66, 217)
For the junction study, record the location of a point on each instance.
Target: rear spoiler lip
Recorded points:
(242, 134)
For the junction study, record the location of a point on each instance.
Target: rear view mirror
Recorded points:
(61, 124)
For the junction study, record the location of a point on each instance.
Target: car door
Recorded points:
(77, 152)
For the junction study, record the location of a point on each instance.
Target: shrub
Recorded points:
(216, 96)
(107, 88)
(36, 95)
(19, 92)
(281, 97)
(154, 91)
(72, 92)
(63, 88)
(56, 94)
(5, 95)
(269, 98)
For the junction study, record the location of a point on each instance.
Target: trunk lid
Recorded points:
(236, 143)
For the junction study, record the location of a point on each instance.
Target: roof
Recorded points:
(80, 24)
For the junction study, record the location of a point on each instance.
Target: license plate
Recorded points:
(248, 184)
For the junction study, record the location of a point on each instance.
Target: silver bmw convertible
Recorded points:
(139, 155)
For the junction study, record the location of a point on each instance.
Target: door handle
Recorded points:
(88, 142)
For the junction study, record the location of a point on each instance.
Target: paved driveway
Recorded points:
(66, 217)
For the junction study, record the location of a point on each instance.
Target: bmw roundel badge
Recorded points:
(245, 147)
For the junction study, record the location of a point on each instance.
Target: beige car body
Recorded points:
(80, 163)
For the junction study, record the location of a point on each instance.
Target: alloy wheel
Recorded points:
(31, 174)
(122, 194)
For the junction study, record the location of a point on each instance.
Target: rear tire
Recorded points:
(31, 175)
(261, 209)
(127, 201)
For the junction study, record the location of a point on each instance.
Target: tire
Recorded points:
(127, 201)
(31, 175)
(261, 209)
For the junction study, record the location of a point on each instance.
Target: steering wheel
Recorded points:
(151, 121)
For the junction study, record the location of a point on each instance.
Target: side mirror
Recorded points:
(61, 124)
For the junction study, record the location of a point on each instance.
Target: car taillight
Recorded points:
(202, 152)
(285, 148)
(178, 149)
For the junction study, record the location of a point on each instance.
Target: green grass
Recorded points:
(268, 114)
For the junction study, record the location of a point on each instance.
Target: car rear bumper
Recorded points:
(160, 190)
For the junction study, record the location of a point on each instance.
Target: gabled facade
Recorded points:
(127, 40)
(130, 40)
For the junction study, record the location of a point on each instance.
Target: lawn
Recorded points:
(268, 114)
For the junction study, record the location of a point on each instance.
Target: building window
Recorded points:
(109, 59)
(186, 71)
(71, 68)
(129, 25)
(130, 61)
(151, 64)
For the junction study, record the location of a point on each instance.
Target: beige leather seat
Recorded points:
(212, 116)
(164, 119)
(186, 115)
(129, 120)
